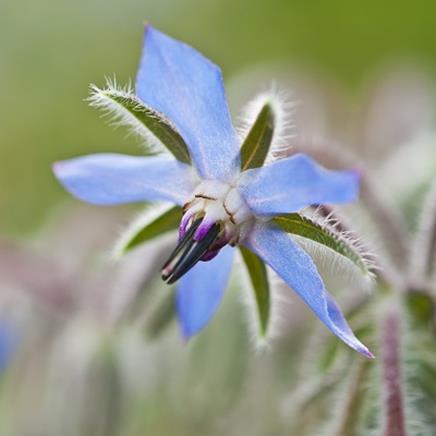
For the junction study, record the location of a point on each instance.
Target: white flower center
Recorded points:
(219, 202)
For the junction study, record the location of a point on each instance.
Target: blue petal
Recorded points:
(187, 88)
(297, 269)
(109, 179)
(296, 182)
(200, 291)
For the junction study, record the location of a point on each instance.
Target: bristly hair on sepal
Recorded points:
(282, 107)
(358, 266)
(116, 114)
(123, 108)
(141, 221)
(261, 342)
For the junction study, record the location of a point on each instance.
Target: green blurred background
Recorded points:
(51, 51)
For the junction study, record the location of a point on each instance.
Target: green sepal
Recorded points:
(259, 280)
(299, 225)
(148, 227)
(258, 140)
(131, 111)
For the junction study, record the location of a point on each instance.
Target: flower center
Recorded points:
(215, 215)
(217, 203)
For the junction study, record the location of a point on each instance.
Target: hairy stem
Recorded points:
(391, 373)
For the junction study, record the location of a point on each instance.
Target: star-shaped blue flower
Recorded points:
(224, 203)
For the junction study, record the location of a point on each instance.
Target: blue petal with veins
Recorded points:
(186, 87)
(109, 179)
(200, 290)
(290, 184)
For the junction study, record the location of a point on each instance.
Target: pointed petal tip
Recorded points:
(352, 182)
(60, 170)
(358, 172)
(299, 272)
(357, 175)
(56, 166)
(349, 339)
(343, 331)
(186, 332)
(306, 183)
(113, 178)
(173, 75)
(361, 349)
(365, 352)
(189, 330)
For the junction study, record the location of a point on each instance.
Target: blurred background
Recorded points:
(360, 73)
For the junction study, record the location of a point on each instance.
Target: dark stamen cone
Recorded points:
(188, 252)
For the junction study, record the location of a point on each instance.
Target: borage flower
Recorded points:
(228, 197)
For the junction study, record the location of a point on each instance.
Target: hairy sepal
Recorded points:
(148, 225)
(265, 125)
(261, 290)
(256, 144)
(325, 235)
(126, 109)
